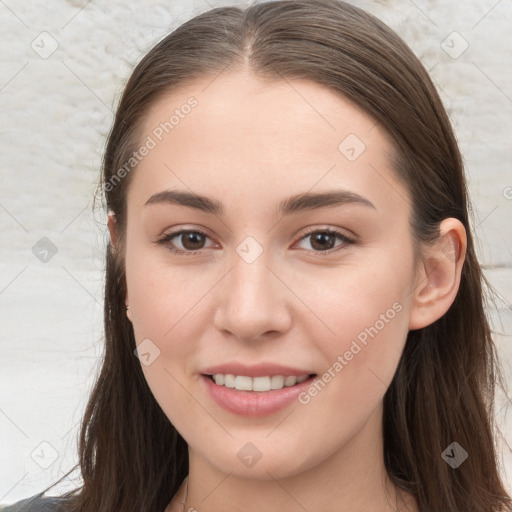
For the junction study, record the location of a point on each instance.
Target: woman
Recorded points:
(294, 313)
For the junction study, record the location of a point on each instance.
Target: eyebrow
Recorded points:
(290, 205)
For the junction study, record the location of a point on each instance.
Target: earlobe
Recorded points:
(112, 227)
(438, 282)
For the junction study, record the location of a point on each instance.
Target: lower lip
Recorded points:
(254, 403)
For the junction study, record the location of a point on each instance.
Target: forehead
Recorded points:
(245, 101)
(245, 134)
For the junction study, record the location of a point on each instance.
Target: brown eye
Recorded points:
(192, 241)
(324, 240)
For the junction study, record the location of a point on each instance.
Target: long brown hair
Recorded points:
(130, 456)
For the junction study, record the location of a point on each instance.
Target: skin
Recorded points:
(250, 144)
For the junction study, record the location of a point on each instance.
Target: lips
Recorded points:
(252, 403)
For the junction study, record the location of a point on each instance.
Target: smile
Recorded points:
(260, 384)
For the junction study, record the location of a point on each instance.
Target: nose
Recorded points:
(254, 301)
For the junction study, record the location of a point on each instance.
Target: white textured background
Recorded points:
(55, 112)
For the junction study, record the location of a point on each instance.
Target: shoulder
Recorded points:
(36, 503)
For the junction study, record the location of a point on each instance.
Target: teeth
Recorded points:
(277, 382)
(244, 383)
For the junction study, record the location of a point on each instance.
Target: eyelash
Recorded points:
(166, 239)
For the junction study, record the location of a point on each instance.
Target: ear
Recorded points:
(112, 227)
(438, 278)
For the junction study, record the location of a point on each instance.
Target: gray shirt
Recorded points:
(36, 503)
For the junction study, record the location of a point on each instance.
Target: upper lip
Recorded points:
(256, 370)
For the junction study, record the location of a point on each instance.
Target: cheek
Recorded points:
(361, 363)
(162, 297)
(365, 315)
(162, 303)
(360, 303)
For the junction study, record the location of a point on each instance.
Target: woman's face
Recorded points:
(263, 286)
